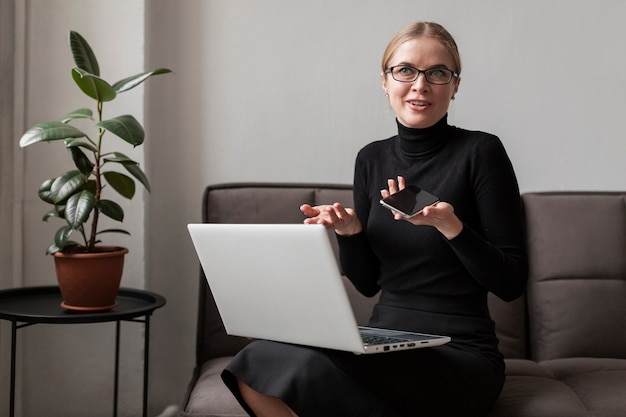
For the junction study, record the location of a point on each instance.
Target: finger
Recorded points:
(401, 182)
(309, 211)
(342, 214)
(391, 184)
(331, 216)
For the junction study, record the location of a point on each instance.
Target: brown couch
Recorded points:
(564, 341)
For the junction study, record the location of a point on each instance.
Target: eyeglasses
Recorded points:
(408, 74)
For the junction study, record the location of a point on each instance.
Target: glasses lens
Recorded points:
(438, 76)
(404, 74)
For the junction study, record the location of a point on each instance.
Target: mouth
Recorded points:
(419, 104)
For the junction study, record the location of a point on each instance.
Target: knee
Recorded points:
(264, 405)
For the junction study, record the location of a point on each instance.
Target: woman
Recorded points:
(433, 270)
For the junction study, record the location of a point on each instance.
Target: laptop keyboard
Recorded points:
(380, 340)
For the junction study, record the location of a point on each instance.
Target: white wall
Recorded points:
(277, 90)
(65, 370)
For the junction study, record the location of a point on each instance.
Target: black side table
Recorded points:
(34, 305)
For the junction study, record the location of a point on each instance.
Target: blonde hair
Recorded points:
(423, 30)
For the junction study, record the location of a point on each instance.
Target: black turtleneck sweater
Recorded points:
(439, 285)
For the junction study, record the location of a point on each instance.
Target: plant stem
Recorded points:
(97, 156)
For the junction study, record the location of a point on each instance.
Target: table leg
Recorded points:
(146, 367)
(13, 353)
(116, 382)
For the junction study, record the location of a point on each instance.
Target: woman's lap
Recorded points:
(317, 382)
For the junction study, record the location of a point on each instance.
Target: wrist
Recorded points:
(350, 230)
(453, 229)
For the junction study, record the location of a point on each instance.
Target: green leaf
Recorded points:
(54, 248)
(126, 127)
(62, 236)
(135, 80)
(44, 191)
(120, 158)
(114, 231)
(57, 211)
(111, 209)
(70, 143)
(131, 166)
(92, 85)
(77, 114)
(49, 131)
(81, 160)
(139, 174)
(121, 183)
(83, 55)
(78, 208)
(66, 185)
(91, 186)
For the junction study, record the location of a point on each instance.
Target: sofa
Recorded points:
(564, 341)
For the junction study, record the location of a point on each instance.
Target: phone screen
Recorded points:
(409, 201)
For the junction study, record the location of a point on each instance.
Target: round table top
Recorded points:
(43, 305)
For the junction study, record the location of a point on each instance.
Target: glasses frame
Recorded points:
(453, 74)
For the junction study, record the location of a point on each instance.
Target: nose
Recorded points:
(420, 83)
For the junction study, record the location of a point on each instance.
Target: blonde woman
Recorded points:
(433, 270)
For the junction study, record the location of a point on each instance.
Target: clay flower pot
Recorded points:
(89, 282)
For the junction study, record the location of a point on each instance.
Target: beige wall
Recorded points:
(277, 90)
(65, 370)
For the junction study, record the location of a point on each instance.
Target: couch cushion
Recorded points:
(600, 383)
(577, 275)
(208, 396)
(532, 390)
(533, 396)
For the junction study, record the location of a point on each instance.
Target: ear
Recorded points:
(383, 79)
(456, 87)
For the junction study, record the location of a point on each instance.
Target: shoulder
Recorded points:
(374, 150)
(474, 137)
(476, 142)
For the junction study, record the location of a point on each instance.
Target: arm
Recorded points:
(493, 251)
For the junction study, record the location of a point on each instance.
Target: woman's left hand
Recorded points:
(439, 215)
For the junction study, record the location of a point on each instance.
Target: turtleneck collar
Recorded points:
(415, 143)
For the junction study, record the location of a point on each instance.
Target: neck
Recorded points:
(421, 142)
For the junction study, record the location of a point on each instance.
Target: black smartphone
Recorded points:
(409, 201)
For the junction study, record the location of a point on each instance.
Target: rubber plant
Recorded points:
(77, 196)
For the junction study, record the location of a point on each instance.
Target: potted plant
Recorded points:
(77, 196)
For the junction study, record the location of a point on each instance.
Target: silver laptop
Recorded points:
(281, 282)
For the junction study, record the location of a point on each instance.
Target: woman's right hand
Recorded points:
(335, 216)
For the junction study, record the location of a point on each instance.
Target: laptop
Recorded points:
(282, 282)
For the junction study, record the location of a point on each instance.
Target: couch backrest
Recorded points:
(577, 276)
(279, 203)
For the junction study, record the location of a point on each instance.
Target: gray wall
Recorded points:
(277, 90)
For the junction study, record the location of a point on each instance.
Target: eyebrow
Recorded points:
(408, 64)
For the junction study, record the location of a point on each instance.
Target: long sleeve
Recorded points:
(495, 255)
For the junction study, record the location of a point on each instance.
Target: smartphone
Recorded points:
(409, 201)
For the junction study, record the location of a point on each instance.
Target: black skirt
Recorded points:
(461, 378)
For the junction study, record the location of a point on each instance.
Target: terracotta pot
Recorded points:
(89, 282)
